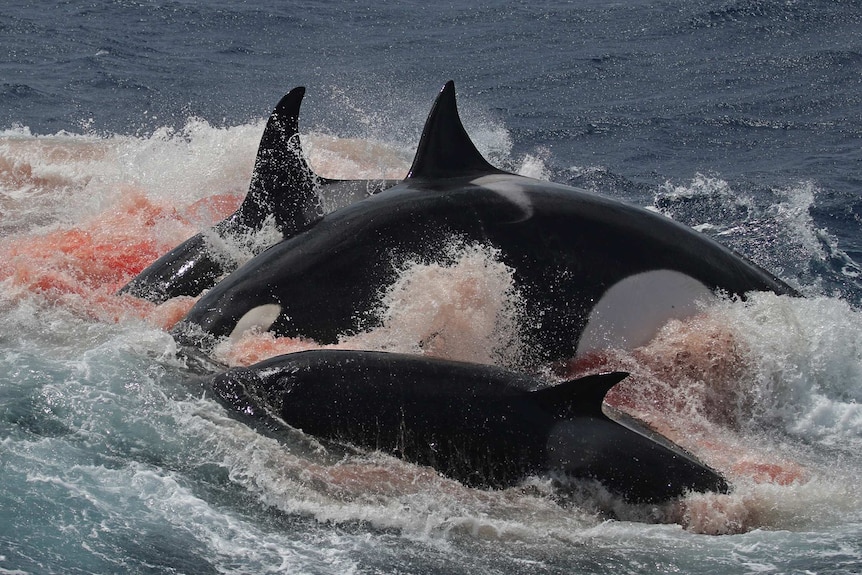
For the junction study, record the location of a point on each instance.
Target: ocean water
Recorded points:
(127, 126)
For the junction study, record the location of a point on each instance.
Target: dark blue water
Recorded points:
(742, 118)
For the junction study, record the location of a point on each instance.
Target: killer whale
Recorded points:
(575, 256)
(283, 189)
(481, 425)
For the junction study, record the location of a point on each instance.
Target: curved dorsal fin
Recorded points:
(582, 396)
(282, 182)
(445, 150)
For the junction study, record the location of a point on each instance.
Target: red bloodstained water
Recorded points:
(82, 267)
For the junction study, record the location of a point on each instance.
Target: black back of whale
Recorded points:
(283, 188)
(481, 425)
(566, 247)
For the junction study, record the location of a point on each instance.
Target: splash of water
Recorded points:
(772, 372)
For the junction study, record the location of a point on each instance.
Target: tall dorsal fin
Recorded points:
(282, 183)
(582, 396)
(445, 150)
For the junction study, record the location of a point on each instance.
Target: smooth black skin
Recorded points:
(283, 187)
(478, 424)
(566, 250)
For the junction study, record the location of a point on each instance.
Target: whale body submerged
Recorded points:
(478, 424)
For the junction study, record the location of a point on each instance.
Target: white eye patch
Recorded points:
(261, 317)
(630, 313)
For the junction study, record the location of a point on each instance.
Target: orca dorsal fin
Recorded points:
(445, 149)
(582, 396)
(282, 183)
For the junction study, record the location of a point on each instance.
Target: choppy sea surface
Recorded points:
(126, 127)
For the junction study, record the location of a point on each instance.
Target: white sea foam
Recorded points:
(463, 306)
(535, 166)
(807, 358)
(86, 174)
